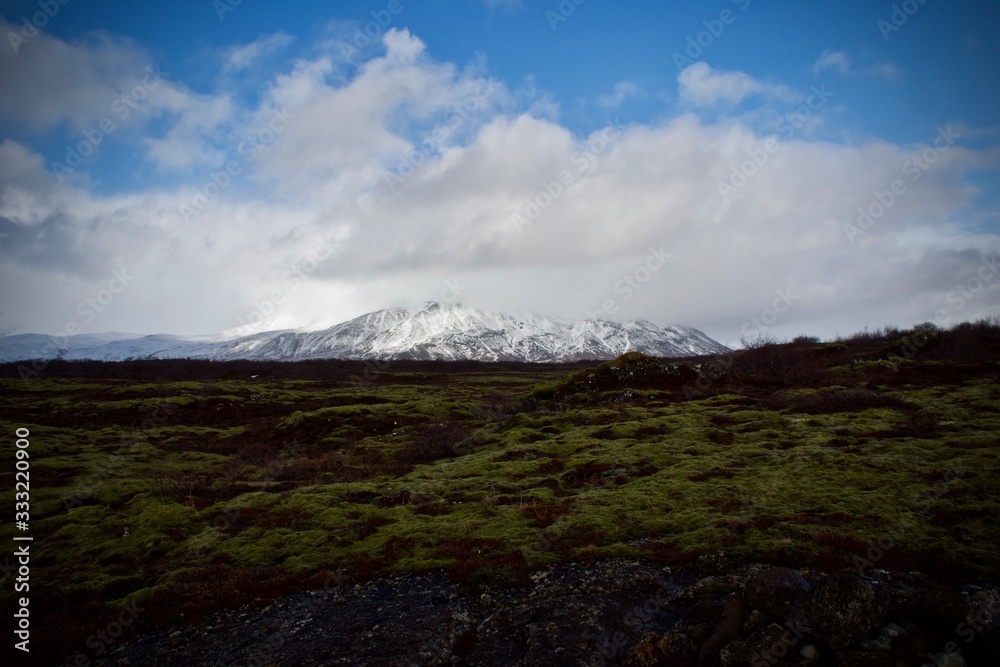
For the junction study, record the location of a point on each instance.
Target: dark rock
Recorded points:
(702, 619)
(729, 628)
(981, 615)
(645, 654)
(736, 653)
(597, 614)
(882, 641)
(773, 645)
(840, 612)
(938, 604)
(774, 590)
(713, 588)
(755, 621)
(913, 597)
(706, 611)
(676, 649)
(809, 654)
(863, 659)
(899, 599)
(909, 642)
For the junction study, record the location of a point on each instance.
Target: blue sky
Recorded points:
(944, 53)
(542, 82)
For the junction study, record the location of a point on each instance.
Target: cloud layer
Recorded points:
(347, 186)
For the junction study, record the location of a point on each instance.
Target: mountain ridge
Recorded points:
(435, 331)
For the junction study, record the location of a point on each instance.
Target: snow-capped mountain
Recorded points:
(434, 332)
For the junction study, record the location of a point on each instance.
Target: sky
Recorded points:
(749, 168)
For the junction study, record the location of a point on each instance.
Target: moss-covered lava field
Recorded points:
(186, 488)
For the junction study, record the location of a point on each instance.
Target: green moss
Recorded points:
(553, 466)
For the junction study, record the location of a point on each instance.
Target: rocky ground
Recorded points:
(609, 613)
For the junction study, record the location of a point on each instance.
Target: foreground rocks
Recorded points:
(781, 617)
(609, 613)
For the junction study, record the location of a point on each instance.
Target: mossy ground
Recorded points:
(188, 496)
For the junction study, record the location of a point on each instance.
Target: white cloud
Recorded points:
(190, 141)
(989, 132)
(477, 154)
(20, 167)
(59, 82)
(841, 62)
(837, 60)
(77, 86)
(623, 90)
(701, 85)
(884, 70)
(241, 57)
(401, 46)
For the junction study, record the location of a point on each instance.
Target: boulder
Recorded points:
(774, 589)
(839, 612)
(981, 616)
(736, 653)
(773, 645)
(676, 649)
(730, 627)
(702, 619)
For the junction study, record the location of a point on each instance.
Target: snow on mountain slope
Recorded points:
(433, 332)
